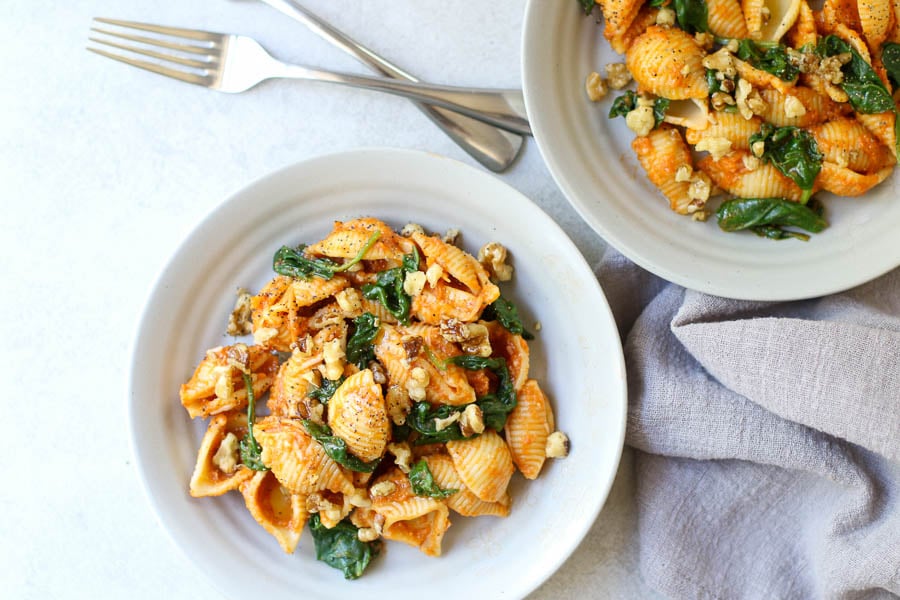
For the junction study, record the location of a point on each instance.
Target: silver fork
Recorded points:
(494, 148)
(236, 63)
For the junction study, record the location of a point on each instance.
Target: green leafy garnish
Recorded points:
(336, 448)
(890, 58)
(251, 451)
(400, 433)
(627, 102)
(794, 152)
(324, 392)
(587, 6)
(440, 365)
(712, 82)
(770, 57)
(767, 217)
(691, 15)
(388, 288)
(292, 262)
(360, 348)
(422, 482)
(340, 547)
(421, 419)
(494, 407)
(507, 314)
(867, 92)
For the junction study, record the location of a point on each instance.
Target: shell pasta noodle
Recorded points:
(751, 109)
(385, 392)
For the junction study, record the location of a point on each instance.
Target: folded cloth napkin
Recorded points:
(767, 438)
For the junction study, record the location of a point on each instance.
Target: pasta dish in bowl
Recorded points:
(392, 389)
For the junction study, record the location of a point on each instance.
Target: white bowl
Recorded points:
(576, 356)
(590, 157)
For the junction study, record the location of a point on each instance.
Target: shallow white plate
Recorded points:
(591, 159)
(577, 358)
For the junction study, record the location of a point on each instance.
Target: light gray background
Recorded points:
(104, 169)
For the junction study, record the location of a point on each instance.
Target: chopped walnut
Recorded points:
(748, 100)
(683, 173)
(451, 236)
(716, 146)
(557, 445)
(317, 503)
(333, 352)
(793, 107)
(402, 455)
(704, 40)
(720, 100)
(262, 335)
(751, 163)
(239, 319)
(398, 404)
(226, 457)
(442, 424)
(758, 148)
(700, 215)
(359, 498)
(412, 346)
(382, 488)
(665, 17)
(618, 75)
(414, 283)
(366, 534)
(641, 120)
(433, 274)
(537, 326)
(493, 256)
(595, 87)
(722, 61)
(378, 372)
(727, 86)
(417, 382)
(471, 420)
(349, 301)
(699, 190)
(410, 228)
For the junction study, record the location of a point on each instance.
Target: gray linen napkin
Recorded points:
(767, 438)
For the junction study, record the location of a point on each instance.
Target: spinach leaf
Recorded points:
(388, 288)
(506, 312)
(770, 57)
(890, 57)
(336, 448)
(712, 83)
(494, 407)
(627, 102)
(340, 548)
(659, 3)
(768, 216)
(360, 348)
(422, 482)
(421, 419)
(794, 152)
(691, 15)
(293, 263)
(251, 452)
(587, 6)
(400, 433)
(324, 392)
(867, 92)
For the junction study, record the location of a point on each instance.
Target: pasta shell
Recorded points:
(761, 79)
(295, 378)
(357, 415)
(875, 18)
(836, 12)
(463, 501)
(297, 460)
(618, 15)
(844, 182)
(730, 126)
(209, 478)
(661, 153)
(881, 125)
(818, 108)
(347, 239)
(216, 386)
(621, 42)
(444, 301)
(692, 113)
(668, 62)
(511, 347)
(804, 30)
(848, 143)
(484, 464)
(274, 313)
(314, 290)
(459, 264)
(726, 19)
(279, 512)
(527, 430)
(766, 181)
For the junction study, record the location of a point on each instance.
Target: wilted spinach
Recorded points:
(890, 57)
(692, 15)
(867, 92)
(494, 407)
(388, 288)
(324, 392)
(421, 419)
(340, 547)
(251, 452)
(422, 482)
(770, 57)
(768, 216)
(507, 314)
(360, 348)
(587, 6)
(293, 263)
(627, 102)
(794, 152)
(336, 448)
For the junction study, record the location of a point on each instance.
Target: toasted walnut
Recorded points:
(433, 274)
(793, 107)
(478, 340)
(239, 319)
(720, 100)
(595, 87)
(414, 283)
(493, 256)
(367, 534)
(722, 61)
(698, 191)
(453, 330)
(758, 148)
(226, 457)
(442, 424)
(333, 353)
(557, 445)
(751, 163)
(402, 455)
(450, 236)
(716, 146)
(537, 325)
(263, 335)
(410, 228)
(349, 301)
(836, 93)
(412, 345)
(398, 404)
(378, 372)
(744, 89)
(471, 421)
(382, 488)
(416, 384)
(224, 383)
(618, 75)
(665, 17)
(641, 120)
(704, 40)
(359, 498)
(317, 503)
(727, 86)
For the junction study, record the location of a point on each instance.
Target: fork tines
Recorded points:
(199, 51)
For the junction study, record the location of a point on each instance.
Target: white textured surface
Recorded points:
(104, 170)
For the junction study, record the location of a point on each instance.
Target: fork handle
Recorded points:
(494, 148)
(502, 108)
